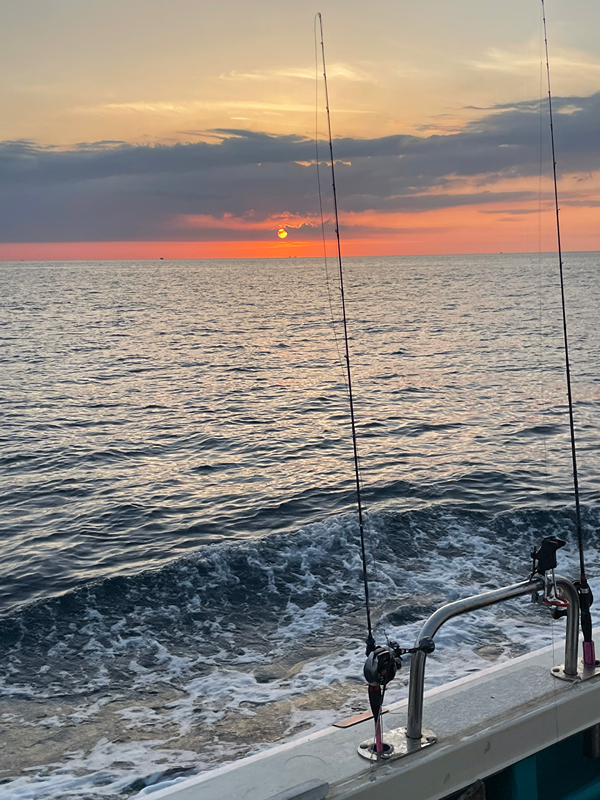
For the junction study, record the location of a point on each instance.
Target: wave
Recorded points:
(156, 675)
(243, 594)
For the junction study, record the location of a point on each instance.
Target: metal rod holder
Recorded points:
(414, 728)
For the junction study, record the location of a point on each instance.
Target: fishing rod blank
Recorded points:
(585, 594)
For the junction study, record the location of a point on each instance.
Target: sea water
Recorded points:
(180, 575)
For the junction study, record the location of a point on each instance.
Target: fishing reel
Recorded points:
(382, 664)
(384, 661)
(380, 668)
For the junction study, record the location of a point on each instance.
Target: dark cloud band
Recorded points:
(115, 191)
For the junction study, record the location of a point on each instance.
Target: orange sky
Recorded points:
(456, 230)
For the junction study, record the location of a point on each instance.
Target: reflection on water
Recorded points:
(151, 407)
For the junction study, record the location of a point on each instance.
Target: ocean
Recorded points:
(180, 576)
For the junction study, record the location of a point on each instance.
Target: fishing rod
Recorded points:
(382, 662)
(370, 639)
(585, 594)
(385, 660)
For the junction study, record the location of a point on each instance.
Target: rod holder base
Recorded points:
(396, 745)
(584, 672)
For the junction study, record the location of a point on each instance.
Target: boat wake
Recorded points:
(137, 680)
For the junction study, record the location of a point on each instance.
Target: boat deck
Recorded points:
(483, 723)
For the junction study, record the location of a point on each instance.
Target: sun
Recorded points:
(282, 233)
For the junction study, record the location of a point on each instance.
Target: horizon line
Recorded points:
(288, 257)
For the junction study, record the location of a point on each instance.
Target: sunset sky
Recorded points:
(185, 129)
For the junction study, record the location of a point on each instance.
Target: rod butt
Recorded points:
(589, 654)
(378, 738)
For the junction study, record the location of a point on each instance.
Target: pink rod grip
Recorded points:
(589, 654)
(378, 739)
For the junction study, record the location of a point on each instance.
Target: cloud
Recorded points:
(511, 62)
(239, 183)
(339, 70)
(194, 106)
